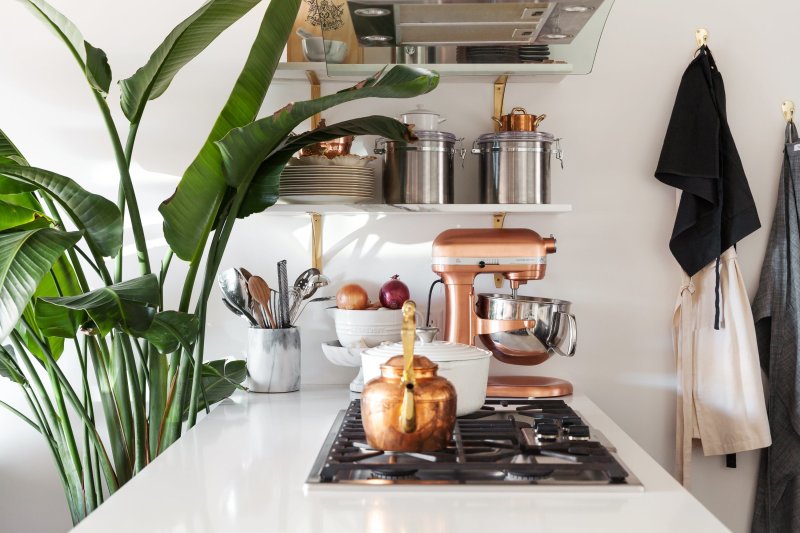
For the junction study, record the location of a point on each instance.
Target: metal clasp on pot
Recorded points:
(559, 153)
(462, 151)
(379, 150)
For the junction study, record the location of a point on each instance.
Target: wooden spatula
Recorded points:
(259, 290)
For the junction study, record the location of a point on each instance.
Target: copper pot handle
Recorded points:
(518, 111)
(539, 120)
(408, 415)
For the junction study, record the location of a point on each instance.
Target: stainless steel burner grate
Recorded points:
(507, 442)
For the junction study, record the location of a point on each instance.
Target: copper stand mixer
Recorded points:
(520, 255)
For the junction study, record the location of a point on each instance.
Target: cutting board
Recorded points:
(339, 15)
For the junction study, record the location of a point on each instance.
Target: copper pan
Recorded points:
(519, 120)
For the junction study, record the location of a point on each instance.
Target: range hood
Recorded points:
(469, 22)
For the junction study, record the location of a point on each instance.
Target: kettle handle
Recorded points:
(573, 337)
(408, 415)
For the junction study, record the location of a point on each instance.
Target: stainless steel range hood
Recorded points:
(469, 22)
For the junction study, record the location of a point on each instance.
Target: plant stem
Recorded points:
(25, 419)
(111, 478)
(217, 250)
(116, 433)
(89, 471)
(138, 405)
(121, 195)
(162, 276)
(54, 423)
(127, 185)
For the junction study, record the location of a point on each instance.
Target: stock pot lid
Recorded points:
(436, 351)
(529, 136)
(420, 111)
(428, 135)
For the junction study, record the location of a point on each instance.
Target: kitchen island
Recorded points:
(243, 468)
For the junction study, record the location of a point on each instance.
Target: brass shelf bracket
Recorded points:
(498, 219)
(316, 240)
(313, 80)
(788, 110)
(499, 96)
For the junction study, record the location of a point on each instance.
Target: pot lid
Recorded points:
(420, 111)
(433, 135)
(420, 363)
(530, 136)
(437, 351)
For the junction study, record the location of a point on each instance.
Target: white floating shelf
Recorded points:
(408, 209)
(553, 72)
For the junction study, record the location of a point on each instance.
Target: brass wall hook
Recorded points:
(701, 38)
(788, 110)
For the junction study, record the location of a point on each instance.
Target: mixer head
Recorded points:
(520, 254)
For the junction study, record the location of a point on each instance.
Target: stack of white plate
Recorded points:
(326, 184)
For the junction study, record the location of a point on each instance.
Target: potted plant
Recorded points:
(61, 267)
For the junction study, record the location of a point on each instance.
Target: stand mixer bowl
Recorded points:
(554, 326)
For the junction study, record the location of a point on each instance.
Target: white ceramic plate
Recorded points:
(324, 199)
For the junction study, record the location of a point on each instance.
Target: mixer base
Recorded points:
(527, 387)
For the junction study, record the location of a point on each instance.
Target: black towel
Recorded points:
(699, 157)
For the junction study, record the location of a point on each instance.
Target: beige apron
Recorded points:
(720, 395)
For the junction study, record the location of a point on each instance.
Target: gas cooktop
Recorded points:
(508, 442)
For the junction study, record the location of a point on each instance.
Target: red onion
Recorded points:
(394, 293)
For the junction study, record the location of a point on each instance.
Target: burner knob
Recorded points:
(571, 421)
(577, 432)
(547, 431)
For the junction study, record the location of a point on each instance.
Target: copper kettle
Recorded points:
(409, 408)
(519, 120)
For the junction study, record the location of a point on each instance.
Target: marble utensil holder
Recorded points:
(273, 360)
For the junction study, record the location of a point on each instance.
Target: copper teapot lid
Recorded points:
(423, 366)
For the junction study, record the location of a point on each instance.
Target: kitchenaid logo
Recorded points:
(484, 261)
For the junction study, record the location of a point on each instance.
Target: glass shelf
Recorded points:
(409, 209)
(449, 72)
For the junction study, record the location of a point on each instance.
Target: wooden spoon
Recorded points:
(259, 290)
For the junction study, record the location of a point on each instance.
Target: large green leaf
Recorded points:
(12, 215)
(97, 216)
(183, 44)
(220, 379)
(25, 258)
(263, 190)
(129, 305)
(8, 151)
(61, 281)
(190, 212)
(92, 60)
(8, 366)
(244, 149)
(171, 330)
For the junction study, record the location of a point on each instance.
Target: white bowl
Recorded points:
(341, 356)
(466, 367)
(370, 326)
(316, 49)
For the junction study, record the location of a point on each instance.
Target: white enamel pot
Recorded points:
(466, 367)
(422, 119)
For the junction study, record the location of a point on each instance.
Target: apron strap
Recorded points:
(685, 366)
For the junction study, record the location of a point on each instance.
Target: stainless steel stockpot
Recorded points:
(554, 325)
(515, 166)
(419, 172)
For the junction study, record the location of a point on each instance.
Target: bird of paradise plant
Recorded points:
(61, 264)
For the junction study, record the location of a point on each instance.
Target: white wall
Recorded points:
(613, 261)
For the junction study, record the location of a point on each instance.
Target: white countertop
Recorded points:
(243, 468)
